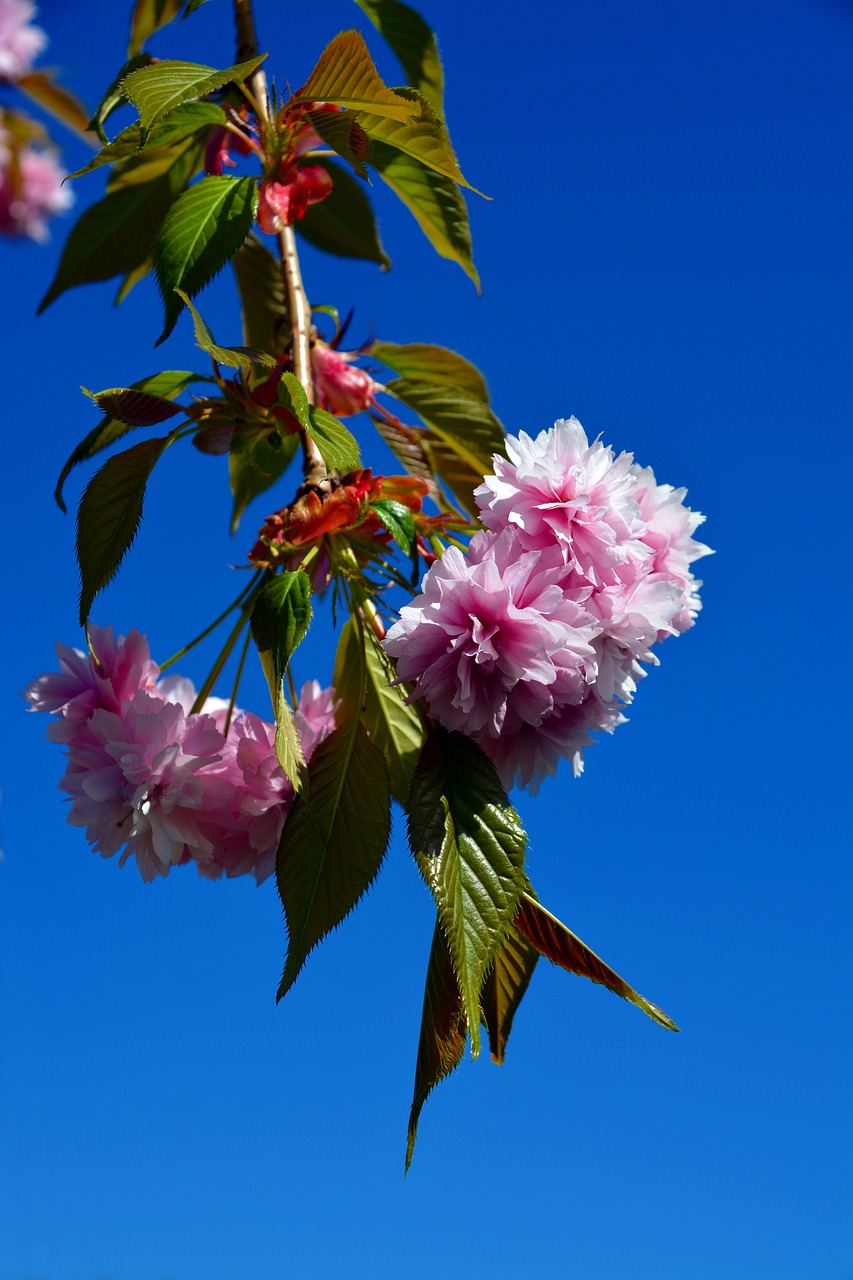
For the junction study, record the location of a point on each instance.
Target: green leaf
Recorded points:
(345, 76)
(333, 842)
(109, 514)
(365, 683)
(167, 384)
(291, 394)
(231, 357)
(462, 421)
(115, 96)
(262, 296)
(504, 989)
(203, 229)
(469, 845)
(422, 138)
(430, 363)
(184, 122)
(52, 97)
(157, 89)
(341, 131)
(134, 407)
(344, 223)
(150, 15)
(337, 445)
(279, 621)
(254, 465)
(443, 1031)
(552, 939)
(414, 44)
(457, 473)
(398, 520)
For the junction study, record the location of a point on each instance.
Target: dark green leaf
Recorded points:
(203, 229)
(254, 465)
(333, 842)
(109, 514)
(150, 15)
(469, 845)
(155, 90)
(552, 939)
(337, 445)
(262, 296)
(232, 357)
(343, 223)
(279, 621)
(398, 520)
(429, 363)
(52, 97)
(168, 384)
(341, 131)
(414, 44)
(346, 77)
(443, 1031)
(504, 989)
(291, 394)
(184, 122)
(115, 96)
(134, 407)
(464, 422)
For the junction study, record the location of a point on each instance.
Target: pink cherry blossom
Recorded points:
(31, 190)
(20, 43)
(341, 387)
(670, 526)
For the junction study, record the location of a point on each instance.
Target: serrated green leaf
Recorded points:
(365, 684)
(157, 89)
(231, 357)
(115, 96)
(345, 76)
(414, 44)
(504, 989)
(429, 363)
(462, 421)
(150, 15)
(441, 1044)
(422, 137)
(262, 296)
(203, 229)
(338, 446)
(344, 223)
(184, 122)
(168, 384)
(134, 407)
(52, 97)
(341, 131)
(552, 939)
(279, 621)
(469, 845)
(109, 514)
(398, 520)
(291, 394)
(333, 842)
(254, 465)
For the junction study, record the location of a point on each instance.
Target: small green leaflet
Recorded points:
(337, 445)
(157, 89)
(291, 394)
(279, 621)
(414, 44)
(333, 842)
(344, 223)
(398, 520)
(231, 357)
(203, 229)
(109, 514)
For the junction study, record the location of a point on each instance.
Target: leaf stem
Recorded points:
(164, 666)
(234, 636)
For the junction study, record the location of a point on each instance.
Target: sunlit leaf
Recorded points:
(150, 15)
(203, 229)
(231, 357)
(430, 363)
(462, 421)
(398, 520)
(192, 118)
(414, 44)
(546, 933)
(469, 845)
(341, 131)
(115, 96)
(345, 76)
(52, 97)
(262, 296)
(157, 89)
(109, 514)
(343, 223)
(338, 446)
(291, 394)
(443, 1031)
(255, 463)
(504, 989)
(333, 842)
(279, 621)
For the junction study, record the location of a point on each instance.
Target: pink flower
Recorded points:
(341, 387)
(20, 43)
(285, 199)
(30, 191)
(669, 534)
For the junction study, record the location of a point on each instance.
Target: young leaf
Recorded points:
(464, 422)
(432, 364)
(279, 621)
(341, 131)
(333, 842)
(343, 223)
(184, 122)
(167, 384)
(203, 229)
(552, 939)
(134, 407)
(504, 988)
(398, 520)
(262, 296)
(291, 394)
(157, 89)
(150, 15)
(345, 76)
(254, 465)
(52, 97)
(414, 44)
(469, 845)
(422, 137)
(443, 1032)
(337, 445)
(231, 357)
(109, 514)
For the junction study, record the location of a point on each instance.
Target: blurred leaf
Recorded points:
(398, 520)
(291, 394)
(135, 407)
(462, 421)
(345, 76)
(203, 229)
(109, 514)
(115, 95)
(504, 989)
(157, 89)
(343, 223)
(469, 845)
(52, 97)
(337, 445)
(150, 15)
(414, 44)
(262, 297)
(231, 357)
(254, 465)
(192, 118)
(279, 621)
(132, 279)
(341, 131)
(432, 364)
(443, 1031)
(333, 842)
(552, 939)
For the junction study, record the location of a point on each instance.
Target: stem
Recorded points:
(236, 685)
(313, 466)
(232, 606)
(242, 621)
(247, 48)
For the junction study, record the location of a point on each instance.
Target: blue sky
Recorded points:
(668, 256)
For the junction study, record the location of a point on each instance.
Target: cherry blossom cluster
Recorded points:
(537, 637)
(20, 42)
(31, 189)
(169, 786)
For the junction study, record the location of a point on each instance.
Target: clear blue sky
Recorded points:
(668, 256)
